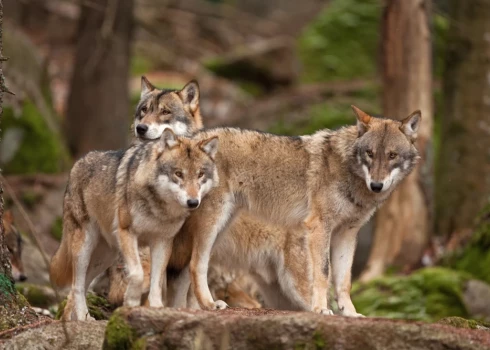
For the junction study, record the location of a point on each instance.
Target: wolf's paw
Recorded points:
(352, 314)
(89, 318)
(220, 305)
(327, 312)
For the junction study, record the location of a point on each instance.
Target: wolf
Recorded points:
(326, 185)
(14, 242)
(118, 200)
(159, 109)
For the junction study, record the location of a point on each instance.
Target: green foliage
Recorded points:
(40, 150)
(331, 115)
(342, 43)
(474, 257)
(428, 294)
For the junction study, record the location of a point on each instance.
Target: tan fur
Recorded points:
(118, 200)
(292, 180)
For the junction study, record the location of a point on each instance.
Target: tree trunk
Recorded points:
(403, 223)
(98, 104)
(463, 173)
(14, 310)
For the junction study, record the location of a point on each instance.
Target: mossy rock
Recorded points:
(40, 296)
(474, 257)
(428, 294)
(460, 322)
(32, 147)
(98, 307)
(119, 335)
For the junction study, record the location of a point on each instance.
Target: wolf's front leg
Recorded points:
(161, 249)
(129, 250)
(320, 256)
(342, 248)
(206, 225)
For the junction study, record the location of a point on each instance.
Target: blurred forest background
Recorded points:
(282, 66)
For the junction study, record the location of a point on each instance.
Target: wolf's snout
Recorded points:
(141, 129)
(376, 186)
(193, 203)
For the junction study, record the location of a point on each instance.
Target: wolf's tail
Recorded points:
(61, 267)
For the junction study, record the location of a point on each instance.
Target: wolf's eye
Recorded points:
(144, 109)
(201, 174)
(179, 174)
(369, 153)
(166, 111)
(392, 155)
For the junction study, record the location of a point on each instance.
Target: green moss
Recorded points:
(6, 286)
(319, 341)
(427, 295)
(57, 228)
(98, 307)
(40, 151)
(36, 296)
(460, 322)
(119, 335)
(474, 257)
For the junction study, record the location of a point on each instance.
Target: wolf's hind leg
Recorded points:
(83, 245)
(343, 248)
(181, 286)
(102, 258)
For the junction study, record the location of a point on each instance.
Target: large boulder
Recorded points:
(152, 328)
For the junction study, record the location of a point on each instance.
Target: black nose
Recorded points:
(22, 278)
(376, 186)
(141, 129)
(193, 203)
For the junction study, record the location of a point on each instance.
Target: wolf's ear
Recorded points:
(190, 95)
(146, 86)
(363, 120)
(169, 139)
(8, 217)
(411, 124)
(210, 146)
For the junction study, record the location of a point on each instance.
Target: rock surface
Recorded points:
(81, 335)
(267, 329)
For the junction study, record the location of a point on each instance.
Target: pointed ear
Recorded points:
(210, 146)
(8, 217)
(169, 139)
(190, 95)
(146, 86)
(411, 124)
(363, 120)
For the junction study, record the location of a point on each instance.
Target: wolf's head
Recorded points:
(174, 109)
(185, 168)
(384, 149)
(14, 246)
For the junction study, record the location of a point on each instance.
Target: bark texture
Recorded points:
(404, 222)
(98, 104)
(463, 174)
(14, 310)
